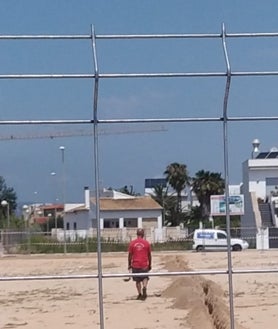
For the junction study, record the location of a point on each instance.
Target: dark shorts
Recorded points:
(140, 270)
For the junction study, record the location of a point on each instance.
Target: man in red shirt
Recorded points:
(140, 261)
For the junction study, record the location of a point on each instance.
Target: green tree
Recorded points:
(8, 194)
(205, 184)
(177, 177)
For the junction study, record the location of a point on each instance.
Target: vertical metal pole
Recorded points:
(53, 187)
(49, 216)
(226, 173)
(25, 209)
(5, 204)
(62, 148)
(8, 214)
(8, 224)
(29, 234)
(96, 164)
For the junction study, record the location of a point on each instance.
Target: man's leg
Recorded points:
(138, 287)
(144, 290)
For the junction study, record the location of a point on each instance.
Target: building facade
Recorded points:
(260, 183)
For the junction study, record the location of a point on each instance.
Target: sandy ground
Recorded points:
(187, 302)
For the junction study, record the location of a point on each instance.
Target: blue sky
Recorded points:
(128, 158)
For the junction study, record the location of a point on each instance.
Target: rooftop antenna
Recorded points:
(256, 144)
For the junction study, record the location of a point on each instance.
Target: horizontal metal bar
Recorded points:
(185, 35)
(136, 75)
(132, 121)
(45, 37)
(163, 75)
(47, 76)
(47, 277)
(159, 120)
(125, 275)
(270, 118)
(250, 35)
(134, 36)
(111, 75)
(39, 122)
(186, 74)
(261, 73)
(257, 271)
(159, 36)
(189, 273)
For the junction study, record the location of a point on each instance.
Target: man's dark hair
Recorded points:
(140, 232)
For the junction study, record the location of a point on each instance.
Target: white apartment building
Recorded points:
(260, 182)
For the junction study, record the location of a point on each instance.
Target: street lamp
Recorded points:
(26, 211)
(5, 203)
(53, 188)
(62, 149)
(48, 219)
(53, 174)
(26, 215)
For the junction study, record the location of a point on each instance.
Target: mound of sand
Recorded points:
(205, 300)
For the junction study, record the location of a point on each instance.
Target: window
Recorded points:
(74, 226)
(106, 223)
(221, 236)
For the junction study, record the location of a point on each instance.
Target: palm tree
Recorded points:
(166, 201)
(160, 196)
(205, 184)
(177, 177)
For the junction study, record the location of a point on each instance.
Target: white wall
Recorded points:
(81, 218)
(248, 220)
(125, 234)
(257, 171)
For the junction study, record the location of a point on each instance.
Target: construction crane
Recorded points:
(80, 133)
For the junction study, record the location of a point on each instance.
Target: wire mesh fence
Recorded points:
(25, 241)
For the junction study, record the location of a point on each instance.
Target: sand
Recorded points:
(187, 302)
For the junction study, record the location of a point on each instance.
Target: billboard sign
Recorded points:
(218, 205)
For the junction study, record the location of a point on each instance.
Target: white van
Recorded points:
(212, 239)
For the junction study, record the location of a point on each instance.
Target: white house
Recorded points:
(116, 210)
(77, 215)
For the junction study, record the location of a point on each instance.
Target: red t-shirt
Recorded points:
(140, 250)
